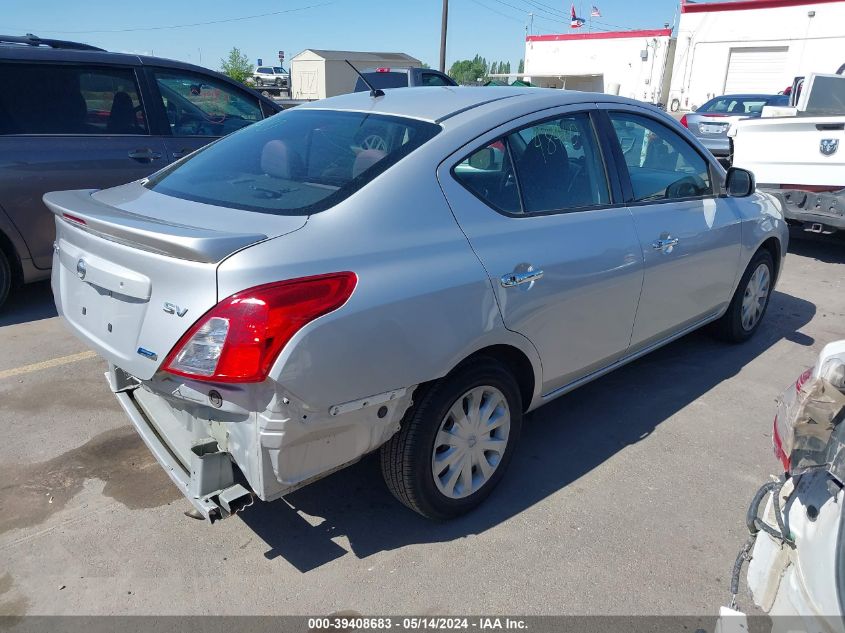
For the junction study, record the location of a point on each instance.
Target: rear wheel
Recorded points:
(278, 82)
(750, 300)
(455, 442)
(5, 278)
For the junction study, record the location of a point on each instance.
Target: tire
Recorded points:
(675, 105)
(732, 327)
(5, 278)
(278, 83)
(259, 82)
(408, 459)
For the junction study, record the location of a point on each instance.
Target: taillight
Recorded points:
(777, 445)
(382, 70)
(239, 339)
(684, 121)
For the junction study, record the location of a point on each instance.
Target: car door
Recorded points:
(200, 108)
(690, 235)
(541, 211)
(68, 126)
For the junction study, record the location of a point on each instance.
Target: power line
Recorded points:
(182, 26)
(504, 15)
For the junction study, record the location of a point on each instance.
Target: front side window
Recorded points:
(661, 164)
(198, 105)
(67, 99)
(295, 163)
(551, 166)
(433, 79)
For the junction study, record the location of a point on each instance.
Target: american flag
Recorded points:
(594, 12)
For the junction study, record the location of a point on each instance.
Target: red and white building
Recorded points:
(753, 46)
(636, 64)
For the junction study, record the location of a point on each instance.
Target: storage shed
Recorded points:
(317, 74)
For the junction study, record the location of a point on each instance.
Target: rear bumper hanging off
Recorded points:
(817, 212)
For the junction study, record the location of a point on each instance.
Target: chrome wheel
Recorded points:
(471, 442)
(755, 297)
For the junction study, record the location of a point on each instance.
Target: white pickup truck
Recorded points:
(797, 153)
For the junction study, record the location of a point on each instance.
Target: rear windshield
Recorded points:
(383, 80)
(742, 106)
(297, 162)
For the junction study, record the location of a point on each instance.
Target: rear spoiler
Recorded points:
(192, 243)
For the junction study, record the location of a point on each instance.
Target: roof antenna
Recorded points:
(374, 92)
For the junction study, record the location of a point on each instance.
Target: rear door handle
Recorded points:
(665, 244)
(144, 155)
(515, 279)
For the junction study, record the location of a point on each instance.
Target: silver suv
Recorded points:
(270, 76)
(412, 272)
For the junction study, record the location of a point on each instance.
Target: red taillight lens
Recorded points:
(684, 121)
(239, 339)
(382, 70)
(73, 218)
(777, 444)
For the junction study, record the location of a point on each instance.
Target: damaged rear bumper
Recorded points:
(209, 486)
(816, 212)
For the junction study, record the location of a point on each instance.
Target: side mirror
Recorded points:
(482, 159)
(739, 183)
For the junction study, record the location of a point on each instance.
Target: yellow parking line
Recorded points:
(47, 364)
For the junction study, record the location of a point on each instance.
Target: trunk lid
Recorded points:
(134, 269)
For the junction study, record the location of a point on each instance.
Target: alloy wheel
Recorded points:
(755, 297)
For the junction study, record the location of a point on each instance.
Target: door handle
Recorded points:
(515, 279)
(144, 155)
(665, 243)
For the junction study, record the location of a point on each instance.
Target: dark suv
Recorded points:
(73, 116)
(402, 78)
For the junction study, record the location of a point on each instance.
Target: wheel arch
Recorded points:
(773, 245)
(516, 361)
(8, 249)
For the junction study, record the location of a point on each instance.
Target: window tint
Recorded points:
(278, 70)
(264, 69)
(433, 79)
(198, 105)
(661, 164)
(734, 105)
(63, 99)
(488, 173)
(553, 166)
(383, 80)
(296, 162)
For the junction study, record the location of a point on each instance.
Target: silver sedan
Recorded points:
(412, 272)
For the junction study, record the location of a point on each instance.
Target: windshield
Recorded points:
(295, 163)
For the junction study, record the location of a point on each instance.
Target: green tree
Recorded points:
(494, 68)
(469, 71)
(521, 68)
(237, 66)
(506, 68)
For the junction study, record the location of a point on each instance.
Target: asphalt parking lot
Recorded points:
(625, 497)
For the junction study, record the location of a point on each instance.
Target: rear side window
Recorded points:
(661, 164)
(433, 79)
(65, 99)
(552, 166)
(297, 162)
(734, 106)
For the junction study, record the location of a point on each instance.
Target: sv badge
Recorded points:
(172, 308)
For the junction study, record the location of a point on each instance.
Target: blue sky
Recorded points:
(493, 28)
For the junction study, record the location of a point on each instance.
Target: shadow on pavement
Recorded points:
(556, 449)
(31, 302)
(829, 249)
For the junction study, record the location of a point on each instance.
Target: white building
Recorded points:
(753, 46)
(636, 64)
(317, 74)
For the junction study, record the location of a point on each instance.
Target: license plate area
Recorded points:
(711, 128)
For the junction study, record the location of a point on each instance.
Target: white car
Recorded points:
(270, 76)
(797, 545)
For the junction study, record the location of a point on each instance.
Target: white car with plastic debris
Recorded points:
(797, 546)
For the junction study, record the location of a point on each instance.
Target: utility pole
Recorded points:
(443, 22)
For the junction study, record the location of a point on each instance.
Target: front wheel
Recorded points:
(455, 442)
(749, 303)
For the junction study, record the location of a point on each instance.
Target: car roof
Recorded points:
(438, 103)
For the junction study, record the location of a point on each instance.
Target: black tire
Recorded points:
(278, 83)
(406, 459)
(259, 82)
(730, 328)
(5, 278)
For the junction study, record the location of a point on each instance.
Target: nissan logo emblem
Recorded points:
(80, 269)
